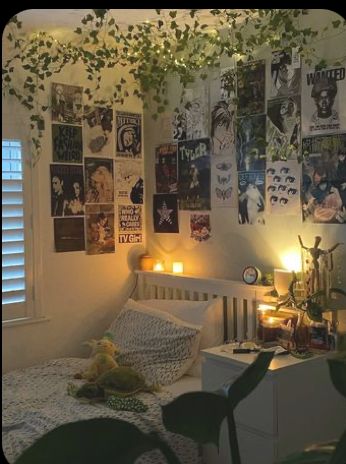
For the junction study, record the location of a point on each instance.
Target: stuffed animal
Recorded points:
(103, 352)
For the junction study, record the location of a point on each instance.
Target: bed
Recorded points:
(35, 399)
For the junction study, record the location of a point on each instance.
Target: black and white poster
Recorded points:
(251, 143)
(323, 97)
(166, 168)
(100, 229)
(67, 103)
(200, 228)
(67, 190)
(221, 181)
(222, 119)
(283, 188)
(128, 135)
(228, 81)
(69, 234)
(324, 179)
(129, 184)
(251, 197)
(67, 143)
(99, 181)
(285, 74)
(98, 136)
(165, 213)
(194, 174)
(283, 128)
(251, 88)
(130, 223)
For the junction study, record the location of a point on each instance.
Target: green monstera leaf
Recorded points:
(320, 454)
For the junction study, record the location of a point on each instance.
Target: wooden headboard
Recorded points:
(239, 299)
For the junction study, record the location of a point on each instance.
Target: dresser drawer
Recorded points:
(257, 410)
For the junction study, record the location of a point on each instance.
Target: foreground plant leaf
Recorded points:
(337, 370)
(197, 415)
(320, 454)
(339, 454)
(106, 441)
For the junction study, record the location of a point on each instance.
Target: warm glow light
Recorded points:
(158, 266)
(271, 320)
(291, 261)
(265, 307)
(282, 280)
(178, 267)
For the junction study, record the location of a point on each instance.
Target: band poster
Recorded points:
(285, 74)
(251, 88)
(129, 183)
(324, 179)
(283, 188)
(324, 94)
(165, 213)
(251, 197)
(227, 89)
(67, 190)
(69, 234)
(166, 169)
(200, 227)
(67, 143)
(98, 136)
(99, 181)
(67, 103)
(194, 174)
(130, 223)
(100, 229)
(221, 182)
(251, 143)
(128, 135)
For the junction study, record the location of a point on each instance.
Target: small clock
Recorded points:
(251, 275)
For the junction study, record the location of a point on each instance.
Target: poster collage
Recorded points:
(96, 175)
(248, 154)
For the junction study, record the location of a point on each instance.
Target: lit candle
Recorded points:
(158, 266)
(178, 267)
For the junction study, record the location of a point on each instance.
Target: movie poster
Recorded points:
(67, 190)
(129, 184)
(194, 174)
(98, 136)
(130, 222)
(99, 181)
(200, 228)
(251, 197)
(67, 143)
(166, 170)
(69, 234)
(100, 229)
(285, 74)
(251, 88)
(251, 143)
(165, 213)
(67, 103)
(283, 188)
(128, 135)
(324, 179)
(221, 182)
(323, 97)
(283, 128)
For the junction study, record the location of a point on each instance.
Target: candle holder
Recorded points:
(159, 265)
(272, 323)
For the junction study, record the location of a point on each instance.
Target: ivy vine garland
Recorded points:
(150, 51)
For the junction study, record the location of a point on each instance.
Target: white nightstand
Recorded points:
(295, 405)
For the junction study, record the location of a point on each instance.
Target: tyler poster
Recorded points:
(69, 234)
(200, 227)
(165, 213)
(166, 170)
(99, 181)
(67, 103)
(130, 223)
(100, 229)
(283, 188)
(128, 135)
(129, 183)
(251, 197)
(285, 74)
(98, 131)
(194, 174)
(324, 94)
(67, 190)
(251, 87)
(221, 182)
(251, 143)
(67, 143)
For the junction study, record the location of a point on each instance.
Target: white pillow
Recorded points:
(158, 345)
(208, 314)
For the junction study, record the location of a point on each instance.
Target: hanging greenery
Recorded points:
(150, 52)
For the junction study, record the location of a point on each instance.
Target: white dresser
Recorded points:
(295, 405)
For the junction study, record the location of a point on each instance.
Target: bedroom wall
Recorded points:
(234, 246)
(80, 293)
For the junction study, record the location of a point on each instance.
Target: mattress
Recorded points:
(35, 400)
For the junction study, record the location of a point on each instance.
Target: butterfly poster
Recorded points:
(283, 187)
(221, 182)
(200, 227)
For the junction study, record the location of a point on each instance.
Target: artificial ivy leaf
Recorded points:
(197, 415)
(337, 370)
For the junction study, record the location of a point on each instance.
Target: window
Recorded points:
(17, 292)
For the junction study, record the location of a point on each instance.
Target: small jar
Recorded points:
(146, 263)
(318, 335)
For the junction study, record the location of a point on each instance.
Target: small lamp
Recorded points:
(158, 265)
(178, 267)
(282, 280)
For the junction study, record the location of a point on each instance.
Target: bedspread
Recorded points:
(35, 400)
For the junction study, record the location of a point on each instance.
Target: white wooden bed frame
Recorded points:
(239, 299)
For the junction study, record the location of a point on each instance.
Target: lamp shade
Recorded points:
(282, 280)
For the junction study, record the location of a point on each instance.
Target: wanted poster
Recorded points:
(251, 88)
(283, 188)
(130, 223)
(67, 143)
(99, 180)
(251, 143)
(98, 138)
(69, 234)
(100, 229)
(251, 197)
(128, 135)
(67, 103)
(129, 183)
(165, 213)
(200, 228)
(221, 182)
(166, 168)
